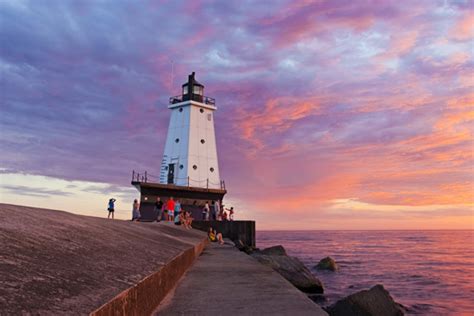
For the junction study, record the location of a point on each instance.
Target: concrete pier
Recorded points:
(58, 263)
(226, 281)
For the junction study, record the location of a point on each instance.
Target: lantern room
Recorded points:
(193, 90)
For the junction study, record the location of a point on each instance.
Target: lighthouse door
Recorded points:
(171, 173)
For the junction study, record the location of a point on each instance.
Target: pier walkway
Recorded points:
(226, 281)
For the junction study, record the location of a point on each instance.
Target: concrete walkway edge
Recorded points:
(144, 297)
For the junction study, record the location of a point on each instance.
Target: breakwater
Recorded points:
(55, 262)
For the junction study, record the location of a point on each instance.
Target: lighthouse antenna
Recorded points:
(172, 75)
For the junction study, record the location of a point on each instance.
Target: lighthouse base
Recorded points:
(192, 199)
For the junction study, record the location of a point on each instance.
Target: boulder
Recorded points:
(327, 263)
(374, 302)
(274, 251)
(243, 247)
(293, 270)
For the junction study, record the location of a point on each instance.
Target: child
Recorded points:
(231, 214)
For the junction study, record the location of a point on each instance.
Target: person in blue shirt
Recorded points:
(111, 207)
(177, 209)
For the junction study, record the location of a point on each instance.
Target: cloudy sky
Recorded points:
(331, 114)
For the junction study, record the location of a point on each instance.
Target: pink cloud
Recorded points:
(463, 29)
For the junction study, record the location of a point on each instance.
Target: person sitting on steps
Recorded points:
(214, 236)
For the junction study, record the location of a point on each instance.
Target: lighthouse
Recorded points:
(190, 154)
(189, 169)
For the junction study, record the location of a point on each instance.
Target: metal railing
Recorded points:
(145, 177)
(194, 97)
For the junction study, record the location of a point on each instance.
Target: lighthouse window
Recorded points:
(181, 166)
(181, 109)
(202, 141)
(195, 167)
(209, 117)
(177, 140)
(201, 110)
(212, 169)
(197, 90)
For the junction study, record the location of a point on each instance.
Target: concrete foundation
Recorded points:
(234, 230)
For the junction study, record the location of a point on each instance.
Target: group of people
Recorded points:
(216, 212)
(171, 211)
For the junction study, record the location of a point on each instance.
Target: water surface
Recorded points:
(430, 272)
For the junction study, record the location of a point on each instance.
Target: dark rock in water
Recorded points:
(274, 251)
(243, 247)
(374, 302)
(317, 298)
(293, 270)
(327, 263)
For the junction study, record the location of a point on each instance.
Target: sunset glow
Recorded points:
(331, 114)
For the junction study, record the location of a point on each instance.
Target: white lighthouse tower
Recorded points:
(190, 155)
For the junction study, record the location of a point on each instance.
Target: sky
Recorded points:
(331, 114)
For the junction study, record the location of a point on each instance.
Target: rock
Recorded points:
(274, 251)
(243, 247)
(319, 299)
(374, 302)
(293, 270)
(327, 263)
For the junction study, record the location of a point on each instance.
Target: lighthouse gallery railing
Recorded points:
(145, 177)
(194, 97)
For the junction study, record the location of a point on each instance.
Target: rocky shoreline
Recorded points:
(374, 301)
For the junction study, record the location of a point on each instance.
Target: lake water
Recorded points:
(429, 272)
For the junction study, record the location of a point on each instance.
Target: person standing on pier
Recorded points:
(136, 211)
(158, 209)
(218, 209)
(205, 212)
(170, 209)
(231, 213)
(111, 207)
(213, 210)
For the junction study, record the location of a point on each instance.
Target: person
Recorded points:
(178, 219)
(224, 216)
(177, 209)
(158, 209)
(170, 209)
(136, 211)
(231, 213)
(220, 217)
(205, 212)
(218, 208)
(189, 219)
(111, 207)
(214, 236)
(213, 211)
